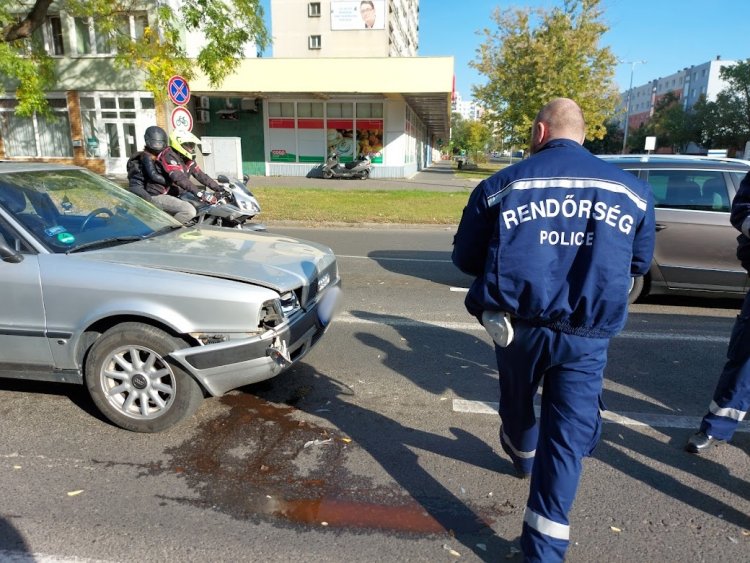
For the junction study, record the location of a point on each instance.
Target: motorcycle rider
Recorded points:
(143, 168)
(179, 165)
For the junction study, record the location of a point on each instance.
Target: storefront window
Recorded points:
(370, 130)
(316, 129)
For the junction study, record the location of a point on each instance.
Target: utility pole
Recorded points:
(627, 106)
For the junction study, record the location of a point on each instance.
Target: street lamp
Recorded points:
(627, 107)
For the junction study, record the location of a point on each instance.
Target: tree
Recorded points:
(737, 94)
(611, 143)
(227, 26)
(470, 135)
(673, 127)
(527, 65)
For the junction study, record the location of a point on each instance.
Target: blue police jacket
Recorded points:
(555, 239)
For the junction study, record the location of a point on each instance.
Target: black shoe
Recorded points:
(700, 442)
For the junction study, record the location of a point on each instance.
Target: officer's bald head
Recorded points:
(559, 119)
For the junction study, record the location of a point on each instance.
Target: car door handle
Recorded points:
(660, 227)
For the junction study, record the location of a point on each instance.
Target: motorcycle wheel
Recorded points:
(364, 174)
(327, 174)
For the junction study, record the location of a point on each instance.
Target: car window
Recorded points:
(699, 190)
(737, 177)
(64, 208)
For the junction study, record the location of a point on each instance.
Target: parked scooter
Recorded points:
(235, 207)
(360, 168)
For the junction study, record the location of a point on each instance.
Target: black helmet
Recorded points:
(156, 138)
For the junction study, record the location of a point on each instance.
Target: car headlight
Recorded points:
(289, 303)
(271, 314)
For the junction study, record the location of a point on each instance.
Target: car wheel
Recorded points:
(134, 384)
(636, 288)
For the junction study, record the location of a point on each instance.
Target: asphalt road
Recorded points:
(382, 444)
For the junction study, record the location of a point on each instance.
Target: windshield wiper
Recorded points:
(104, 242)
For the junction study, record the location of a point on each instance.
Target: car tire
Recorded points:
(636, 288)
(133, 382)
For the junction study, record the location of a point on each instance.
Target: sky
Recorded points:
(668, 35)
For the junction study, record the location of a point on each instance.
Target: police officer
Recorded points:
(731, 398)
(553, 242)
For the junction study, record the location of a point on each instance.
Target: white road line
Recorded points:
(395, 321)
(394, 259)
(7, 556)
(624, 419)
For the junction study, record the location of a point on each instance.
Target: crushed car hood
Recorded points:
(277, 262)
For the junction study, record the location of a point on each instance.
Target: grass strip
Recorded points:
(360, 206)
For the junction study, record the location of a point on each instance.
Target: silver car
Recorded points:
(101, 288)
(696, 245)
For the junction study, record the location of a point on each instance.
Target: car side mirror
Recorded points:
(8, 254)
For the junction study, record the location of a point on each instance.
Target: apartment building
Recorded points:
(689, 85)
(284, 114)
(345, 28)
(468, 109)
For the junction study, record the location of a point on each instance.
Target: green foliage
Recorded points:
(535, 55)
(472, 136)
(227, 26)
(611, 143)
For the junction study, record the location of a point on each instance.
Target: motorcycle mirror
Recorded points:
(223, 179)
(245, 178)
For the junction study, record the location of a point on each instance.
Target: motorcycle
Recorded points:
(234, 208)
(359, 168)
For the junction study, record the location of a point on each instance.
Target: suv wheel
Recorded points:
(133, 383)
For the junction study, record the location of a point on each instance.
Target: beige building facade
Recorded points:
(345, 28)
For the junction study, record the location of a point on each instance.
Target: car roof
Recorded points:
(676, 161)
(9, 166)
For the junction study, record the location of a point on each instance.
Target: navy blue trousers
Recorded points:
(731, 398)
(571, 370)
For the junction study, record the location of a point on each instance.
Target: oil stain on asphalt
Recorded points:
(258, 461)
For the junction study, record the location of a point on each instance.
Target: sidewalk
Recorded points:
(439, 177)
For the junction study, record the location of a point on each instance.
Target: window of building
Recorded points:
(281, 109)
(313, 9)
(340, 109)
(90, 39)
(36, 135)
(309, 109)
(50, 36)
(313, 42)
(366, 109)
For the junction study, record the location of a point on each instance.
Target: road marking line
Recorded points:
(396, 321)
(394, 259)
(460, 289)
(624, 419)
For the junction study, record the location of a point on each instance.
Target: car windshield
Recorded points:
(67, 209)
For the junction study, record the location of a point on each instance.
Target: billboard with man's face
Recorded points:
(357, 14)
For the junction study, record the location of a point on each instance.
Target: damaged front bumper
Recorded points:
(224, 366)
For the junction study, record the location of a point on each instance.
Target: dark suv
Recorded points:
(695, 243)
